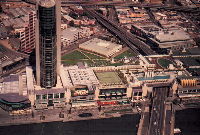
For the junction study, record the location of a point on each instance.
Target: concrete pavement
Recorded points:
(53, 115)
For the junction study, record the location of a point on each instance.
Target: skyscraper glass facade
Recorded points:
(47, 42)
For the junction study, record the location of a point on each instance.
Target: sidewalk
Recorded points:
(52, 115)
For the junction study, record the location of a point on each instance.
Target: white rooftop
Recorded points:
(83, 77)
(101, 46)
(75, 76)
(175, 35)
(170, 35)
(71, 32)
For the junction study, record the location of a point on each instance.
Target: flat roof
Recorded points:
(190, 61)
(8, 56)
(172, 35)
(108, 77)
(50, 91)
(19, 17)
(22, 11)
(70, 33)
(189, 51)
(100, 46)
(10, 84)
(83, 76)
(162, 36)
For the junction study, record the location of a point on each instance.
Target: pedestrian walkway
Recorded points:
(51, 115)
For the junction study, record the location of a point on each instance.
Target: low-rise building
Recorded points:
(11, 61)
(55, 98)
(162, 39)
(173, 39)
(83, 77)
(188, 88)
(4, 32)
(3, 16)
(142, 83)
(14, 43)
(112, 89)
(78, 22)
(82, 83)
(102, 47)
(13, 93)
(83, 95)
(70, 35)
(22, 20)
(125, 15)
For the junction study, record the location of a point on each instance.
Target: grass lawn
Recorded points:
(108, 77)
(164, 62)
(116, 64)
(127, 53)
(93, 56)
(76, 55)
(74, 62)
(99, 63)
(105, 63)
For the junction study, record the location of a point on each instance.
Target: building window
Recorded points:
(62, 95)
(38, 97)
(139, 93)
(135, 94)
(56, 95)
(82, 97)
(44, 96)
(91, 98)
(50, 96)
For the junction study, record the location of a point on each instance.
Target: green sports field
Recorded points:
(108, 77)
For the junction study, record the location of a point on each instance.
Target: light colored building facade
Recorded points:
(82, 83)
(188, 88)
(23, 23)
(71, 35)
(171, 38)
(27, 36)
(101, 47)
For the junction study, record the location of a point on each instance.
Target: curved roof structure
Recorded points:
(13, 97)
(47, 3)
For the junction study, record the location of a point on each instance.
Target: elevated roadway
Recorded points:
(159, 119)
(156, 125)
(137, 46)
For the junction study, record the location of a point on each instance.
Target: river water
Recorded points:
(188, 121)
(125, 125)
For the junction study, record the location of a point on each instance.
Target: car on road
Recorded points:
(85, 115)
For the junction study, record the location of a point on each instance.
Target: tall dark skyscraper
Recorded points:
(47, 42)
